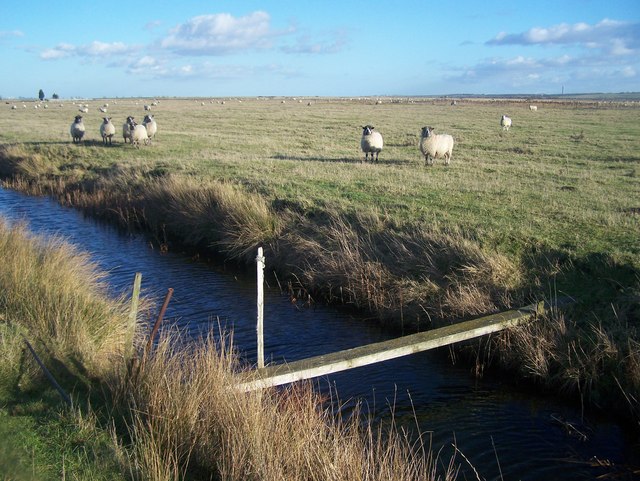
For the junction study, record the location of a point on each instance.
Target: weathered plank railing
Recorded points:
(279, 374)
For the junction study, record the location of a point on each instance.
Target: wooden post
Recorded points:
(156, 326)
(133, 315)
(260, 327)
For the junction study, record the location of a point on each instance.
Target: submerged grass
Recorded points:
(173, 414)
(549, 209)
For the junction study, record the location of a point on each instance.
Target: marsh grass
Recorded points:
(189, 413)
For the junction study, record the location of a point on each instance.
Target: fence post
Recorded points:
(260, 262)
(133, 315)
(156, 326)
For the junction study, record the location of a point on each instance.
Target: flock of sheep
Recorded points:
(432, 146)
(131, 130)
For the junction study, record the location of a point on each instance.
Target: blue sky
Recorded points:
(343, 48)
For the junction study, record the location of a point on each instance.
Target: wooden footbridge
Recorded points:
(275, 375)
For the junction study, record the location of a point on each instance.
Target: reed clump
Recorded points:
(599, 366)
(52, 292)
(192, 418)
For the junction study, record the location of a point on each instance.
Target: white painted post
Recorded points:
(133, 315)
(259, 328)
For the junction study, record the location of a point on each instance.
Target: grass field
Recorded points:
(550, 208)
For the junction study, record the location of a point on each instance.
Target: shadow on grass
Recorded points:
(342, 160)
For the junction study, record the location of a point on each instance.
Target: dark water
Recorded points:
(504, 432)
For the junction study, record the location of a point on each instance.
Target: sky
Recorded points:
(188, 48)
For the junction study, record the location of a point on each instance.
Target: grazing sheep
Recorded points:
(505, 122)
(434, 146)
(147, 107)
(371, 142)
(103, 110)
(107, 130)
(77, 129)
(14, 107)
(151, 126)
(84, 110)
(126, 129)
(533, 108)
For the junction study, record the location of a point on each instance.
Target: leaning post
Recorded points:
(260, 326)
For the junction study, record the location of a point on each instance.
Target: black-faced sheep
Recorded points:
(151, 126)
(107, 130)
(137, 132)
(126, 129)
(371, 142)
(77, 129)
(435, 146)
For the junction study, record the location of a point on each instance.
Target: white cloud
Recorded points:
(612, 37)
(95, 49)
(220, 34)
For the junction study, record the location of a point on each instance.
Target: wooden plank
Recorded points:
(279, 374)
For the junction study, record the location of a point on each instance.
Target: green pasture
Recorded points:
(564, 178)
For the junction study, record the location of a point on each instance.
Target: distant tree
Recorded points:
(41, 94)
(55, 97)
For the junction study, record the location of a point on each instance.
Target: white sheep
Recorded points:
(84, 110)
(505, 122)
(107, 130)
(138, 134)
(14, 107)
(151, 126)
(147, 107)
(371, 142)
(77, 129)
(533, 108)
(103, 110)
(435, 146)
(126, 129)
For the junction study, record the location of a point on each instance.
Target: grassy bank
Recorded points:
(174, 415)
(548, 209)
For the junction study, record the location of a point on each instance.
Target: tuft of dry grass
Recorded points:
(191, 418)
(54, 293)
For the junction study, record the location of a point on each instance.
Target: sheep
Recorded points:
(138, 133)
(533, 108)
(84, 110)
(434, 146)
(103, 110)
(77, 129)
(107, 130)
(147, 107)
(151, 126)
(126, 129)
(371, 142)
(505, 122)
(14, 107)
